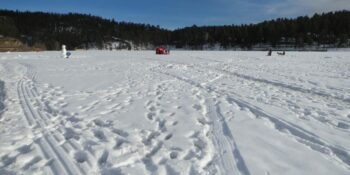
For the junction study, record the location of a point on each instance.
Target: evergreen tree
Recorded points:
(83, 31)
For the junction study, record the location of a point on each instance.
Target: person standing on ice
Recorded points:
(64, 51)
(270, 52)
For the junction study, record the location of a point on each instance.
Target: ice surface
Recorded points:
(134, 112)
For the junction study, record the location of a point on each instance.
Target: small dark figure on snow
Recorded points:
(269, 53)
(281, 53)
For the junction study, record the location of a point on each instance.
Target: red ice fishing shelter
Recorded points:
(161, 51)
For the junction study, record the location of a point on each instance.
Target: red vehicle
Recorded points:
(162, 51)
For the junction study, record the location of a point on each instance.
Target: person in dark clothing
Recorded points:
(281, 53)
(269, 53)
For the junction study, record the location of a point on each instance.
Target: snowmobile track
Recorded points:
(220, 128)
(306, 138)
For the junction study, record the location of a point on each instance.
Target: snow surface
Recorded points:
(128, 112)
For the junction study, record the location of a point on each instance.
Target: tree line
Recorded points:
(327, 29)
(82, 31)
(77, 31)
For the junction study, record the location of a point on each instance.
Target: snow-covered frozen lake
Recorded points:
(134, 112)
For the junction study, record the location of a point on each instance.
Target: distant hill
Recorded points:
(327, 30)
(79, 31)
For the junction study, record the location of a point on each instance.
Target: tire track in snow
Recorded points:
(299, 134)
(228, 142)
(341, 125)
(302, 90)
(306, 138)
(325, 96)
(232, 163)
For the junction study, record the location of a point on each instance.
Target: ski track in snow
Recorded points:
(48, 142)
(185, 114)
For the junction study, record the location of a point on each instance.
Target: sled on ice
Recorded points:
(162, 51)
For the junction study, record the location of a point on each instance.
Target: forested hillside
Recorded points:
(326, 30)
(80, 31)
(77, 31)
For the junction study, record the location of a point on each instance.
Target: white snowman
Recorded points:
(64, 51)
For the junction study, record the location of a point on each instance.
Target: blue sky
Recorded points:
(174, 14)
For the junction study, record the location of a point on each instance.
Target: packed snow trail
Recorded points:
(123, 112)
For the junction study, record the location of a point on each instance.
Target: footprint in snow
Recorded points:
(169, 136)
(152, 108)
(99, 134)
(150, 116)
(173, 155)
(80, 156)
(197, 107)
(343, 125)
(24, 149)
